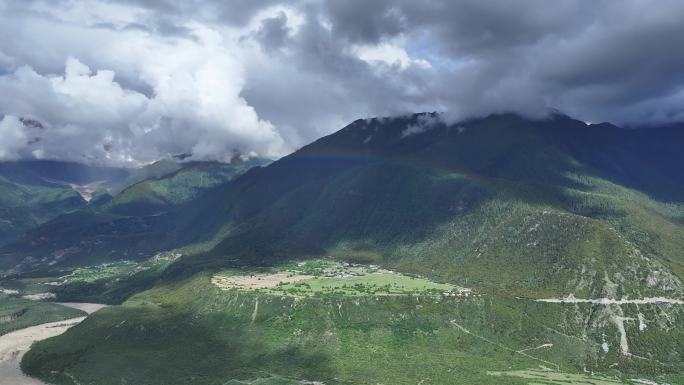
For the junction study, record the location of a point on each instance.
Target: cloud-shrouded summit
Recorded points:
(129, 82)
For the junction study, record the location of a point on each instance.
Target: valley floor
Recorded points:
(14, 345)
(332, 322)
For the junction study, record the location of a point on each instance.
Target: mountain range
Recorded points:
(516, 209)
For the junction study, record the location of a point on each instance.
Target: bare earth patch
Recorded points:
(546, 376)
(39, 296)
(610, 301)
(257, 281)
(86, 307)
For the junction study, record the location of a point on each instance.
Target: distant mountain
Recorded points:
(33, 192)
(175, 186)
(128, 220)
(155, 170)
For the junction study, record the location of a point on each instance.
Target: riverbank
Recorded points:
(15, 344)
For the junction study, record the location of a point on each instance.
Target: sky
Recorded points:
(129, 82)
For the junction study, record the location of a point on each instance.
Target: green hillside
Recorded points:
(18, 313)
(34, 192)
(135, 223)
(154, 170)
(193, 332)
(570, 235)
(503, 202)
(176, 185)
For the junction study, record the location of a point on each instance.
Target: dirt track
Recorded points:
(14, 345)
(611, 301)
(257, 281)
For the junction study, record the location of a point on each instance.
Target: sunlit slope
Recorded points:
(194, 332)
(174, 188)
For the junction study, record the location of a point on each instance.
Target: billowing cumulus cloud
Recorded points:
(149, 98)
(13, 137)
(133, 81)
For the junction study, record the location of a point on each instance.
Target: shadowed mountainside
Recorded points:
(515, 209)
(535, 207)
(130, 220)
(525, 203)
(34, 192)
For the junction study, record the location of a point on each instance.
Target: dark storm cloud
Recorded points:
(267, 76)
(236, 12)
(273, 32)
(328, 84)
(603, 61)
(365, 21)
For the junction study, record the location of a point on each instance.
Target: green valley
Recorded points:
(341, 192)
(395, 259)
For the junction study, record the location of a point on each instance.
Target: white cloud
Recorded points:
(89, 12)
(293, 18)
(389, 54)
(79, 109)
(149, 79)
(425, 123)
(6, 61)
(194, 107)
(13, 138)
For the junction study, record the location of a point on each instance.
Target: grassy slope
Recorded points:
(24, 206)
(466, 231)
(177, 186)
(531, 213)
(191, 332)
(33, 192)
(511, 204)
(32, 313)
(532, 251)
(135, 224)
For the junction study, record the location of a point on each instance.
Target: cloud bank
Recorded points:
(130, 82)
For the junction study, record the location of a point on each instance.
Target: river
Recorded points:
(14, 345)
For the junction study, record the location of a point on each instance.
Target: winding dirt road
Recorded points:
(14, 345)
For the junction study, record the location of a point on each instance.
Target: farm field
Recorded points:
(327, 277)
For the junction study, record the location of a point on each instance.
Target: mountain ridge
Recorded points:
(391, 198)
(571, 251)
(535, 177)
